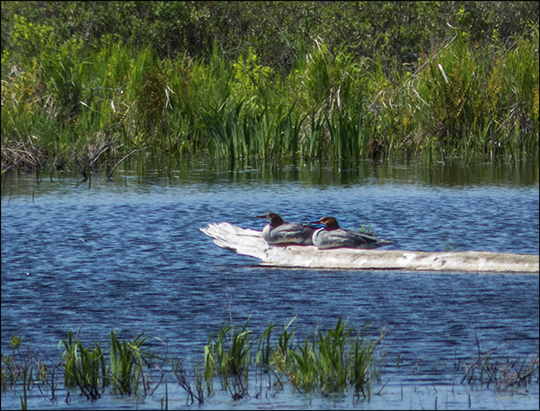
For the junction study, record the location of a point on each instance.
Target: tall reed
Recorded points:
(331, 361)
(461, 100)
(335, 360)
(85, 368)
(127, 364)
(228, 353)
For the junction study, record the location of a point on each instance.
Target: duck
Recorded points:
(333, 236)
(279, 232)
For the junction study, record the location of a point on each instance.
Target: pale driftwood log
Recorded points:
(249, 242)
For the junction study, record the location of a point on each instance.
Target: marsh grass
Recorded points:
(228, 353)
(335, 361)
(330, 362)
(488, 368)
(84, 368)
(90, 372)
(203, 387)
(12, 370)
(127, 364)
(460, 100)
(23, 368)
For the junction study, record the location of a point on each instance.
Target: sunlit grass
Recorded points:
(460, 101)
(330, 362)
(335, 360)
(339, 360)
(93, 370)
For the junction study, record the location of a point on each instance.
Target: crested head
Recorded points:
(275, 220)
(330, 223)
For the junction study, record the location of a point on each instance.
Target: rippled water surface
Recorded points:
(128, 255)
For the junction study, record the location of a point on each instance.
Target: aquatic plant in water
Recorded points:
(127, 364)
(229, 353)
(84, 368)
(89, 371)
(332, 361)
(505, 374)
(335, 360)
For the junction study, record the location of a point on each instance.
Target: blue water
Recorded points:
(128, 256)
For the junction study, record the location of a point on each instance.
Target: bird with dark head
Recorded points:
(279, 232)
(333, 236)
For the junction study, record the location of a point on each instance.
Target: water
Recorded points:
(128, 255)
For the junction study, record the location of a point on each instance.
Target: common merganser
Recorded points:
(279, 232)
(333, 236)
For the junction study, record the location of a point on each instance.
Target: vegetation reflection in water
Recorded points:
(146, 169)
(452, 172)
(339, 360)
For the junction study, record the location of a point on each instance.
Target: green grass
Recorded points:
(335, 360)
(461, 101)
(339, 360)
(84, 368)
(330, 362)
(228, 353)
(127, 364)
(92, 371)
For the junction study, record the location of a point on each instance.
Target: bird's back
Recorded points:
(345, 238)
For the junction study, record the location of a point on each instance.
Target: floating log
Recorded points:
(249, 242)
